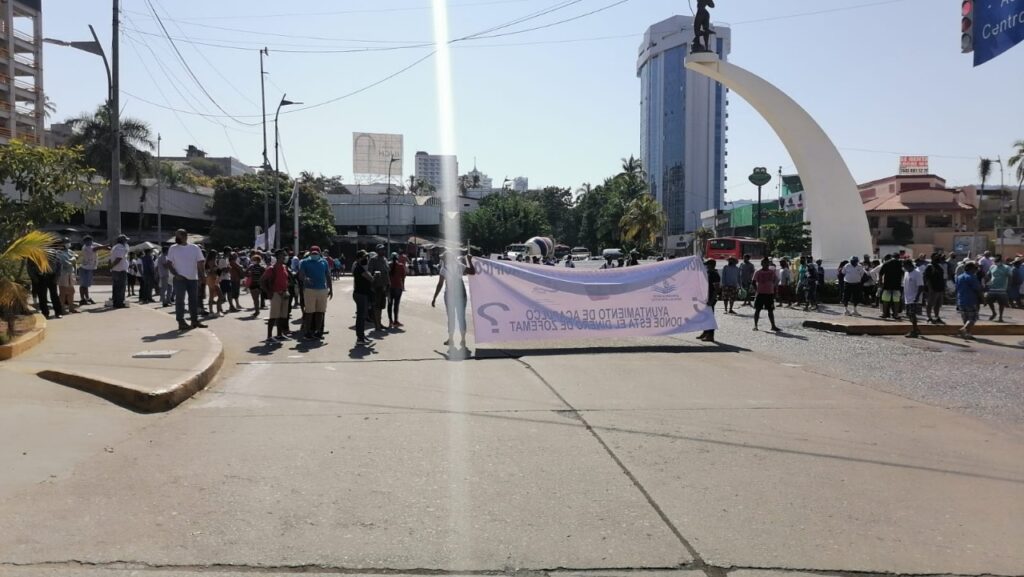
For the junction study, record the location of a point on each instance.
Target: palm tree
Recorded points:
(36, 247)
(49, 108)
(1017, 161)
(93, 133)
(984, 171)
(642, 221)
(632, 179)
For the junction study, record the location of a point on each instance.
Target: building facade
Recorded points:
(520, 184)
(21, 71)
(920, 212)
(437, 169)
(682, 124)
(478, 184)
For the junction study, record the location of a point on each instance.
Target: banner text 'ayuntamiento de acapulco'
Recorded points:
(526, 302)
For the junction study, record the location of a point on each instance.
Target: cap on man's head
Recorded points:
(360, 253)
(121, 237)
(66, 240)
(380, 247)
(315, 249)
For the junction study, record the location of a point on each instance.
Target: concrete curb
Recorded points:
(131, 397)
(25, 342)
(901, 328)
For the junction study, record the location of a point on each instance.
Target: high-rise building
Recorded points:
(435, 169)
(21, 71)
(682, 124)
(520, 184)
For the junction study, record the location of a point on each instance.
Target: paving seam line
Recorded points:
(698, 561)
(121, 565)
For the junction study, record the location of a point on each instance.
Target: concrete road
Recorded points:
(676, 457)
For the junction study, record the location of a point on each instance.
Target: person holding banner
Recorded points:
(714, 281)
(453, 268)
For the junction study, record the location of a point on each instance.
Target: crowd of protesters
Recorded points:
(203, 282)
(895, 284)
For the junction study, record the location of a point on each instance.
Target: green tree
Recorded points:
(41, 176)
(642, 222)
(316, 219)
(557, 204)
(786, 235)
(237, 208)
(34, 246)
(504, 219)
(1017, 161)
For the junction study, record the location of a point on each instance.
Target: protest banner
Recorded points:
(524, 302)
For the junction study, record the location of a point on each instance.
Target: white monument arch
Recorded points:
(839, 226)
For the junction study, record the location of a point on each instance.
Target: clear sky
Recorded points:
(560, 104)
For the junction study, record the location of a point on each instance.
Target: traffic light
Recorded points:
(967, 27)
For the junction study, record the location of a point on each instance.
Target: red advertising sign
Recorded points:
(913, 165)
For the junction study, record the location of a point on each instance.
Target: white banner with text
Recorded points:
(527, 302)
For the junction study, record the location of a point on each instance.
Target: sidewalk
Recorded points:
(133, 357)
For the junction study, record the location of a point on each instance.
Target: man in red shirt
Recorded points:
(766, 282)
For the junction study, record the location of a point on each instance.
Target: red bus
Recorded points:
(735, 247)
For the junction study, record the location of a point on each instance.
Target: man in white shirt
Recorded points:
(913, 283)
(187, 265)
(119, 270)
(88, 267)
(853, 274)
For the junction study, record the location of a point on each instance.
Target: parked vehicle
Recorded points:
(580, 253)
(735, 247)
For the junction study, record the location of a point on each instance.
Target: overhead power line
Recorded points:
(354, 11)
(417, 62)
(191, 73)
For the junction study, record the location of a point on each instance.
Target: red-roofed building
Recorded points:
(935, 214)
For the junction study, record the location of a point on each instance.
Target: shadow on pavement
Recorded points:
(785, 335)
(266, 349)
(168, 336)
(486, 354)
(360, 352)
(998, 344)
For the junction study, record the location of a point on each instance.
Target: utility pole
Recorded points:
(295, 213)
(266, 161)
(159, 192)
(1002, 204)
(388, 199)
(114, 202)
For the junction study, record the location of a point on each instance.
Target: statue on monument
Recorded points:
(702, 27)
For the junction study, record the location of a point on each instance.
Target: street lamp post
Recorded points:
(277, 172)
(159, 191)
(388, 199)
(266, 160)
(114, 112)
(759, 178)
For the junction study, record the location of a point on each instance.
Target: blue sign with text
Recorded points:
(998, 26)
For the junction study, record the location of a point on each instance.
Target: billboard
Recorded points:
(372, 154)
(913, 165)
